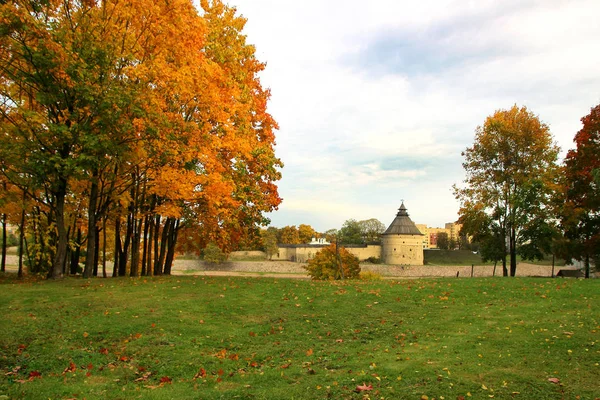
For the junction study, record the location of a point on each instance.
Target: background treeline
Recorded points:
(127, 128)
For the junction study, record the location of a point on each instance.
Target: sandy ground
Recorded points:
(288, 269)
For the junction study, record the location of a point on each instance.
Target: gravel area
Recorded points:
(293, 269)
(288, 267)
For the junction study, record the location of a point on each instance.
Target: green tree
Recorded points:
(372, 229)
(351, 232)
(269, 240)
(442, 241)
(580, 214)
(213, 254)
(510, 171)
(332, 264)
(331, 235)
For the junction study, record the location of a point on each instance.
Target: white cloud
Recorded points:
(377, 99)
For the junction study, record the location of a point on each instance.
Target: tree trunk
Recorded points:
(21, 243)
(587, 266)
(149, 270)
(172, 241)
(3, 261)
(145, 246)
(75, 254)
(157, 270)
(96, 251)
(124, 249)
(104, 247)
(513, 252)
(92, 230)
(116, 262)
(61, 246)
(163, 247)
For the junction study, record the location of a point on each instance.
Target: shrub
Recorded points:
(213, 254)
(373, 260)
(325, 264)
(370, 276)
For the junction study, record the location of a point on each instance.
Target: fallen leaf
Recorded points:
(165, 379)
(103, 351)
(363, 387)
(309, 352)
(143, 377)
(14, 371)
(35, 374)
(71, 368)
(200, 374)
(554, 380)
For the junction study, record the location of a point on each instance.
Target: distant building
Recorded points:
(401, 244)
(318, 241)
(430, 234)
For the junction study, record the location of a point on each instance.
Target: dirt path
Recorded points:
(293, 270)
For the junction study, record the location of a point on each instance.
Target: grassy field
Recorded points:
(257, 338)
(467, 257)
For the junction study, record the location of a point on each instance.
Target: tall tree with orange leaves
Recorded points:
(511, 173)
(149, 109)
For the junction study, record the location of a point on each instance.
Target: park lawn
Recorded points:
(467, 257)
(192, 337)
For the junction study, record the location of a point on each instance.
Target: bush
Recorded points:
(325, 264)
(370, 276)
(373, 260)
(213, 254)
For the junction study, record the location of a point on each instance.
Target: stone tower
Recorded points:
(402, 242)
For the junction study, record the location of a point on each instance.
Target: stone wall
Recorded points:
(303, 253)
(402, 249)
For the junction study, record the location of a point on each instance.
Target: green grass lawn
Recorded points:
(191, 337)
(467, 257)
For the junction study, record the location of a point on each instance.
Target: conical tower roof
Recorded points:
(402, 224)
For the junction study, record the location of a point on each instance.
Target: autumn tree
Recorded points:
(306, 233)
(150, 111)
(289, 235)
(510, 172)
(580, 214)
(333, 263)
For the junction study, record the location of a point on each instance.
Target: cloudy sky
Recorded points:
(377, 99)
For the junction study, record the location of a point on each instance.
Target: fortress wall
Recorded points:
(371, 250)
(303, 253)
